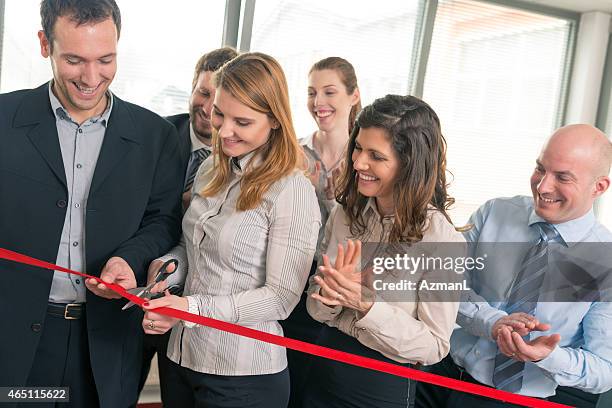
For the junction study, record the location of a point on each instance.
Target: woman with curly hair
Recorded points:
(393, 192)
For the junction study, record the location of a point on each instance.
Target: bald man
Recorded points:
(514, 341)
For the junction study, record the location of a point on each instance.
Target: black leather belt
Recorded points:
(70, 311)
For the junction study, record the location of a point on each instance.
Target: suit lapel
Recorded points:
(36, 110)
(119, 138)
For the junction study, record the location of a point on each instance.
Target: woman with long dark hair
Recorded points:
(393, 191)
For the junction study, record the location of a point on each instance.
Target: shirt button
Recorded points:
(477, 352)
(61, 203)
(75, 243)
(36, 327)
(78, 166)
(80, 130)
(77, 205)
(78, 281)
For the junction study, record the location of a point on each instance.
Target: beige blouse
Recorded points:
(407, 332)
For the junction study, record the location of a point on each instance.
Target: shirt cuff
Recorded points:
(320, 311)
(193, 309)
(375, 317)
(490, 319)
(482, 319)
(556, 362)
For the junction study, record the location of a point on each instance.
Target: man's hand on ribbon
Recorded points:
(116, 271)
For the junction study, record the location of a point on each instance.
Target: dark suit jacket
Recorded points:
(133, 211)
(181, 123)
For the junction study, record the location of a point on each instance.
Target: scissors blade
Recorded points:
(137, 291)
(140, 292)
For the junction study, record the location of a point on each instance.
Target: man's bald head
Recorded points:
(588, 142)
(571, 172)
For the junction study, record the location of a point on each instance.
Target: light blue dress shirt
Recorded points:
(583, 358)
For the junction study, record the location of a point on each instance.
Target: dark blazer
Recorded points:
(133, 211)
(181, 123)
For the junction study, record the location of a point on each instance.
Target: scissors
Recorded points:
(145, 291)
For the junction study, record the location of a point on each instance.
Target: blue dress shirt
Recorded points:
(583, 358)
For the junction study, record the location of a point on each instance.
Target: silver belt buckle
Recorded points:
(66, 311)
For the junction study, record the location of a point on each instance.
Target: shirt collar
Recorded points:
(239, 165)
(571, 231)
(308, 141)
(61, 113)
(308, 144)
(196, 143)
(371, 209)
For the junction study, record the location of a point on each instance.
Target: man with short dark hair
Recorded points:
(88, 181)
(195, 134)
(194, 128)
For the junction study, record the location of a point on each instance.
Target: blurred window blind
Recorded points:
(496, 76)
(378, 41)
(605, 203)
(158, 49)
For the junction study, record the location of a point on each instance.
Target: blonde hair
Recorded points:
(257, 81)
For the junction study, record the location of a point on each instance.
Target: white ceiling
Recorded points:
(580, 6)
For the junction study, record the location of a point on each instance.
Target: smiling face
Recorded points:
(376, 164)
(328, 101)
(200, 106)
(240, 128)
(564, 183)
(84, 63)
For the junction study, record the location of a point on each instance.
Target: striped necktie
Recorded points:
(195, 159)
(508, 373)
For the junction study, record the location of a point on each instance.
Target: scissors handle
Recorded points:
(173, 289)
(163, 272)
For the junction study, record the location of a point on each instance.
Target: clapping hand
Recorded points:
(342, 284)
(509, 331)
(513, 345)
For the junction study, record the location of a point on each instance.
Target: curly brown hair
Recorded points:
(414, 131)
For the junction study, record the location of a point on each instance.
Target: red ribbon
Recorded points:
(304, 347)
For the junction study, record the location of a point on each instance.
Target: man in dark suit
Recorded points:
(195, 134)
(89, 182)
(194, 128)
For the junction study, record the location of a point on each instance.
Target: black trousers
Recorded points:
(433, 396)
(300, 326)
(62, 360)
(338, 385)
(187, 388)
(153, 344)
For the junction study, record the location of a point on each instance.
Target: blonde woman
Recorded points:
(249, 236)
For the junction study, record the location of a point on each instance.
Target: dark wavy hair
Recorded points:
(414, 131)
